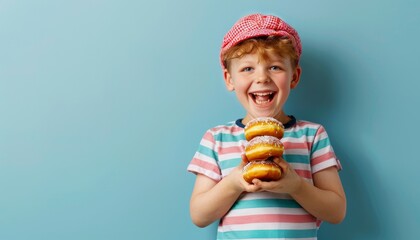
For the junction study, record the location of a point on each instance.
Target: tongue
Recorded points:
(262, 98)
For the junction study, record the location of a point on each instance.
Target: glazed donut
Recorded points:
(263, 147)
(262, 170)
(263, 126)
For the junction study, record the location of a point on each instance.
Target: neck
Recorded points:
(282, 117)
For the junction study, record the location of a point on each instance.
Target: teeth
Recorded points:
(262, 94)
(261, 102)
(262, 97)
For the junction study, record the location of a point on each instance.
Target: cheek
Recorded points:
(241, 85)
(284, 85)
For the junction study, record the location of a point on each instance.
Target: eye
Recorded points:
(275, 68)
(246, 69)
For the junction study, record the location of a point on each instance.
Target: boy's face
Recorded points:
(262, 86)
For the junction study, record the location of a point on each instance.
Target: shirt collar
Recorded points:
(289, 124)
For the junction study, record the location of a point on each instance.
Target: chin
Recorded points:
(271, 110)
(264, 114)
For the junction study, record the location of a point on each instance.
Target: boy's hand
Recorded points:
(289, 182)
(237, 176)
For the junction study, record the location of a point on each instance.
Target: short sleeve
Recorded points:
(322, 152)
(205, 160)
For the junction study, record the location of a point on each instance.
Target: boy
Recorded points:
(260, 61)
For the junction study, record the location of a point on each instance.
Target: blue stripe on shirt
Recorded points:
(301, 233)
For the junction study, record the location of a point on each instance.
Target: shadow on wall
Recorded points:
(362, 220)
(315, 96)
(324, 96)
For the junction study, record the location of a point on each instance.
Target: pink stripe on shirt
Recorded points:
(291, 145)
(205, 165)
(209, 137)
(266, 218)
(322, 158)
(234, 149)
(230, 129)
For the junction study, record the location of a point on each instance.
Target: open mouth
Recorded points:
(262, 97)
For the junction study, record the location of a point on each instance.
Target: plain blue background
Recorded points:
(103, 104)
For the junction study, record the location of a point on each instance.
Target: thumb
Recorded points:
(282, 164)
(244, 161)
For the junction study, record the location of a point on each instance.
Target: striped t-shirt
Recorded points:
(265, 215)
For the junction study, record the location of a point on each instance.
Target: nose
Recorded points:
(262, 77)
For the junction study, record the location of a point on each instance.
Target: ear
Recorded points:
(228, 80)
(296, 77)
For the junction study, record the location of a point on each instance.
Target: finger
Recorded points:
(244, 161)
(244, 158)
(282, 164)
(256, 182)
(278, 160)
(252, 188)
(260, 186)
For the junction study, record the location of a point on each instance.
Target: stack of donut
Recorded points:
(263, 136)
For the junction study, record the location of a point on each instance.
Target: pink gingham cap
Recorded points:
(257, 25)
